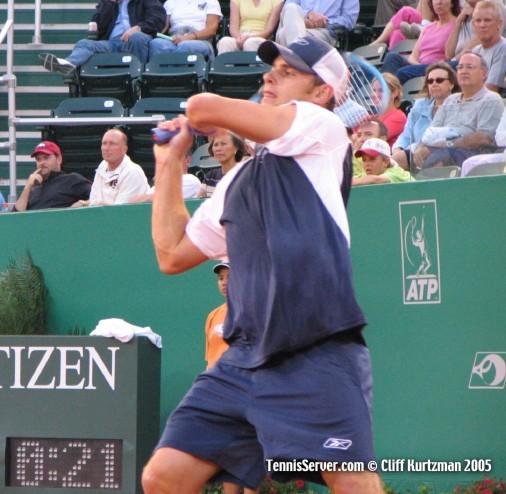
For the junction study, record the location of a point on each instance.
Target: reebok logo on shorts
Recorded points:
(335, 443)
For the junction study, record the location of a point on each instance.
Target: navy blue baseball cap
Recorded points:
(312, 56)
(220, 266)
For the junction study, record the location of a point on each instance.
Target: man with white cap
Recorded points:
(378, 165)
(49, 187)
(295, 382)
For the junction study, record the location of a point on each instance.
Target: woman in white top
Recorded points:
(251, 23)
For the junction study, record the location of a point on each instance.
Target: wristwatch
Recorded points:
(449, 143)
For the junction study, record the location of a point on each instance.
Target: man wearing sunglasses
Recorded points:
(465, 124)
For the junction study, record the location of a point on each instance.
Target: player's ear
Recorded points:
(323, 94)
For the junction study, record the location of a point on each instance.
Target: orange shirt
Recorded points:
(215, 345)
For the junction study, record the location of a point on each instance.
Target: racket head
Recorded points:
(367, 95)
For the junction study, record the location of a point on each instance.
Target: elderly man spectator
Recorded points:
(463, 38)
(117, 179)
(318, 18)
(487, 25)
(125, 26)
(465, 124)
(49, 187)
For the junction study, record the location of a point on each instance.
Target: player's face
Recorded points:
(223, 280)
(283, 84)
(374, 165)
(47, 163)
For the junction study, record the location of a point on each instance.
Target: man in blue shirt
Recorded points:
(318, 18)
(123, 26)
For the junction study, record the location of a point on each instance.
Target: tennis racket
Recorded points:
(367, 96)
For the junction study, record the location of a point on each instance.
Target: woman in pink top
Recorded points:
(430, 46)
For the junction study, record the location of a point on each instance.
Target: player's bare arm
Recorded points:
(174, 250)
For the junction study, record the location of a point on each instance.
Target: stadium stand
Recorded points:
(38, 91)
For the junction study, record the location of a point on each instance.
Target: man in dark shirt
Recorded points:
(48, 186)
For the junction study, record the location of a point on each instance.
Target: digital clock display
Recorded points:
(64, 463)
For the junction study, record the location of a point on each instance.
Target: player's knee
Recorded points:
(358, 483)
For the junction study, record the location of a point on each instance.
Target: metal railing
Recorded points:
(9, 79)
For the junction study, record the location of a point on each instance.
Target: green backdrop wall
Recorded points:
(436, 321)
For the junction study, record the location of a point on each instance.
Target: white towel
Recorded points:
(124, 331)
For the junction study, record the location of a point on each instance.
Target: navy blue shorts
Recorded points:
(313, 404)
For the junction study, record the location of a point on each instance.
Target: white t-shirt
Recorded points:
(318, 141)
(118, 186)
(191, 13)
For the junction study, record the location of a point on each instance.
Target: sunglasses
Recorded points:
(439, 80)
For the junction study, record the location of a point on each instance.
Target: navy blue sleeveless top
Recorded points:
(290, 280)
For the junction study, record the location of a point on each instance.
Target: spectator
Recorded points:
(500, 140)
(49, 187)
(466, 122)
(386, 9)
(487, 25)
(394, 31)
(393, 117)
(368, 129)
(192, 26)
(228, 150)
(378, 168)
(318, 18)
(430, 46)
(124, 27)
(190, 183)
(463, 38)
(2, 198)
(440, 82)
(250, 24)
(117, 179)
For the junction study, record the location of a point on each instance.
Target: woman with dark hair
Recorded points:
(393, 118)
(430, 46)
(440, 82)
(228, 150)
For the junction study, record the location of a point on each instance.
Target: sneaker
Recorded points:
(55, 64)
(410, 31)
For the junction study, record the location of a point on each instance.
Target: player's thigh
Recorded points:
(356, 482)
(172, 471)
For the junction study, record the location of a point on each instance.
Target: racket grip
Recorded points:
(162, 136)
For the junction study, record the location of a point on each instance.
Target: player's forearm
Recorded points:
(169, 216)
(259, 123)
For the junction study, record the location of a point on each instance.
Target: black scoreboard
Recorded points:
(79, 414)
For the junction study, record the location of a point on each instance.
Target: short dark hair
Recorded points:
(383, 130)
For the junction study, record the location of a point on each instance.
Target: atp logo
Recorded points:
(420, 252)
(489, 371)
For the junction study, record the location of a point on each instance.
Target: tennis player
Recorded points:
(295, 383)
